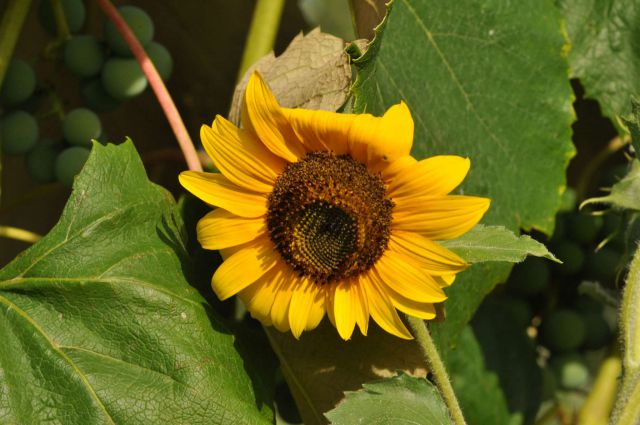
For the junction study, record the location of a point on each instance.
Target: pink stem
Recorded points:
(160, 90)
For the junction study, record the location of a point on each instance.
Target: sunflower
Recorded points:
(320, 212)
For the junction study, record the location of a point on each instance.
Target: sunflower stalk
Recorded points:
(436, 367)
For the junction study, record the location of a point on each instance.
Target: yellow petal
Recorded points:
(217, 190)
(344, 309)
(397, 167)
(382, 310)
(431, 256)
(402, 275)
(439, 218)
(359, 300)
(425, 311)
(240, 157)
(433, 176)
(321, 130)
(244, 268)
(266, 120)
(280, 308)
(317, 310)
(445, 280)
(378, 141)
(259, 296)
(221, 229)
(302, 301)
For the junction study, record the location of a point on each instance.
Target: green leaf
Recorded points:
(486, 80)
(496, 243)
(604, 50)
(478, 389)
(625, 194)
(99, 324)
(397, 400)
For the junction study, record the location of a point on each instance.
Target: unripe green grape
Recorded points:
(139, 22)
(571, 255)
(96, 97)
(69, 163)
(571, 370)
(584, 228)
(587, 305)
(603, 264)
(161, 58)
(74, 13)
(40, 161)
(598, 332)
(531, 276)
(84, 56)
(563, 330)
(18, 133)
(19, 83)
(80, 126)
(123, 78)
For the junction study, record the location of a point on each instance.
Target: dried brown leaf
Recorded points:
(312, 73)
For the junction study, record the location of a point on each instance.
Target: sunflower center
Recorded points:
(329, 217)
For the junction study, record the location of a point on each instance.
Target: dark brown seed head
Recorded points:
(329, 217)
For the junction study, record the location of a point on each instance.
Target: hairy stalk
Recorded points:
(436, 367)
(10, 27)
(262, 32)
(627, 408)
(160, 90)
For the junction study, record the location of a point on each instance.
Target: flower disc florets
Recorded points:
(329, 217)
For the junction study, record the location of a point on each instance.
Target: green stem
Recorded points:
(436, 367)
(19, 234)
(262, 32)
(62, 27)
(10, 27)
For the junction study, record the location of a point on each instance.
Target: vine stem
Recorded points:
(19, 234)
(436, 367)
(160, 90)
(62, 28)
(262, 33)
(10, 27)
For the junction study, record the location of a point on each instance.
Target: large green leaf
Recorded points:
(605, 50)
(398, 400)
(487, 80)
(483, 79)
(99, 324)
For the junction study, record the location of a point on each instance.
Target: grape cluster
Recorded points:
(108, 73)
(572, 325)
